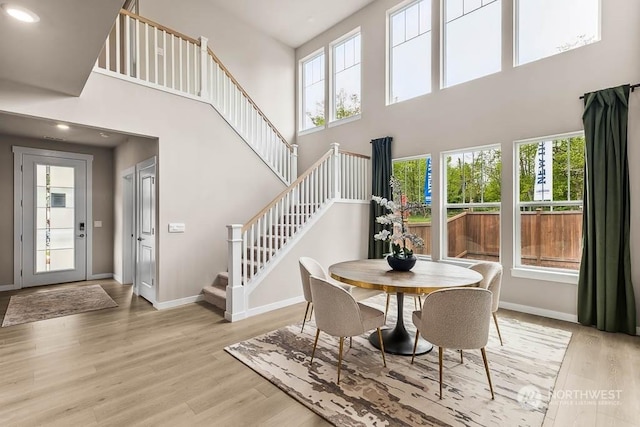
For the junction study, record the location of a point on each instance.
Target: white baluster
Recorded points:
(127, 45)
(164, 58)
(118, 70)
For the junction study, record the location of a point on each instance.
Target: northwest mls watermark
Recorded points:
(530, 397)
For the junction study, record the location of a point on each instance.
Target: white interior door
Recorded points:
(146, 227)
(54, 220)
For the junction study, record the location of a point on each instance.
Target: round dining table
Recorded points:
(424, 277)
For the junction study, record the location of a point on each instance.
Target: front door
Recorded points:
(54, 220)
(146, 228)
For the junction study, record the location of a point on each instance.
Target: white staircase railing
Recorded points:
(255, 245)
(144, 51)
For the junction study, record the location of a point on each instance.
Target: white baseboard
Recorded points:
(558, 315)
(101, 276)
(11, 287)
(235, 316)
(117, 278)
(274, 306)
(177, 302)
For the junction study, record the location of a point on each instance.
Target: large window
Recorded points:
(415, 176)
(345, 62)
(548, 27)
(312, 90)
(409, 53)
(550, 181)
(471, 221)
(472, 39)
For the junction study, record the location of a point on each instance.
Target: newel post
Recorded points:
(293, 165)
(204, 60)
(236, 309)
(335, 170)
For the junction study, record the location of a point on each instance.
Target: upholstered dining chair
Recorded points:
(338, 314)
(491, 280)
(456, 318)
(310, 267)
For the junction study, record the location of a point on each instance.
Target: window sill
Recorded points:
(546, 275)
(310, 130)
(344, 121)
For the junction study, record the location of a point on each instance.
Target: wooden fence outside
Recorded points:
(548, 239)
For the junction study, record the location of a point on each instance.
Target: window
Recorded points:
(415, 176)
(471, 219)
(550, 180)
(409, 53)
(567, 24)
(472, 39)
(345, 62)
(312, 90)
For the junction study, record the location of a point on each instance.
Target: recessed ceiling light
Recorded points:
(20, 13)
(62, 126)
(104, 135)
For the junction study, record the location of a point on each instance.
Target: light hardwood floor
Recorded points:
(135, 365)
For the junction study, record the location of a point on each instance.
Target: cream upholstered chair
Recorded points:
(491, 280)
(455, 318)
(310, 267)
(340, 315)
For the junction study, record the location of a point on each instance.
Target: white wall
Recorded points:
(207, 176)
(537, 99)
(264, 66)
(341, 234)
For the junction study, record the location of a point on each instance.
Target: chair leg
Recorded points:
(386, 309)
(306, 311)
(311, 314)
(419, 302)
(315, 343)
(415, 346)
(384, 360)
(340, 357)
(495, 319)
(486, 367)
(350, 342)
(440, 351)
(461, 359)
(415, 302)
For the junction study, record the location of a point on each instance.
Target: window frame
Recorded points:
(301, 89)
(389, 52)
(332, 78)
(518, 269)
(516, 36)
(428, 257)
(443, 46)
(444, 205)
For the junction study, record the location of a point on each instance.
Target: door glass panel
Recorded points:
(55, 218)
(146, 202)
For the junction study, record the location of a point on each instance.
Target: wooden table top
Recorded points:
(424, 277)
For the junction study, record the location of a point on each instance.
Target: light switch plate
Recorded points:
(97, 224)
(176, 227)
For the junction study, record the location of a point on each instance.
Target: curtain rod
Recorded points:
(633, 88)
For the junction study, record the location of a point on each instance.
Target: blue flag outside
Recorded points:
(427, 182)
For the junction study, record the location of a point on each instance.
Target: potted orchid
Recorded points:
(401, 257)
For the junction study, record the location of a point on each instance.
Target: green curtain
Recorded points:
(605, 291)
(381, 175)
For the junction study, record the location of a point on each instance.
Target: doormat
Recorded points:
(55, 303)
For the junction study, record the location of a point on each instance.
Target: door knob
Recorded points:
(80, 235)
(139, 239)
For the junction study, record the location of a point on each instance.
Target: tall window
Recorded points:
(550, 181)
(345, 60)
(410, 51)
(567, 24)
(472, 188)
(415, 176)
(312, 90)
(472, 39)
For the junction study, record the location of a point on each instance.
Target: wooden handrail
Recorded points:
(159, 26)
(349, 153)
(246, 95)
(301, 178)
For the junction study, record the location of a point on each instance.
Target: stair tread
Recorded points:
(215, 290)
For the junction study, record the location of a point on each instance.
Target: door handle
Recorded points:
(140, 239)
(80, 235)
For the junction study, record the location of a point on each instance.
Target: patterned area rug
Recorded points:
(55, 303)
(524, 372)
